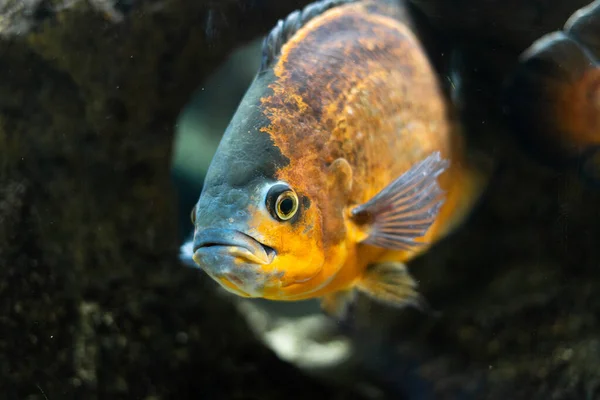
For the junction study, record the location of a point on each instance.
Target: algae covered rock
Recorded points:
(94, 302)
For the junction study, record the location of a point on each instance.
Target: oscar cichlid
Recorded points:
(341, 164)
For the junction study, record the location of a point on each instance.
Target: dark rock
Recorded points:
(94, 303)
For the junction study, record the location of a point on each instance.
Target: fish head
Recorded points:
(258, 239)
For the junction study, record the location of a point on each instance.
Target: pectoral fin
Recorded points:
(390, 283)
(186, 254)
(406, 208)
(337, 304)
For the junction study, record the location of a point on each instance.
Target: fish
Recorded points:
(342, 163)
(552, 97)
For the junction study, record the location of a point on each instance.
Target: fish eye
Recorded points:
(193, 215)
(282, 202)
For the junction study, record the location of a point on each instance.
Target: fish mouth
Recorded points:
(234, 243)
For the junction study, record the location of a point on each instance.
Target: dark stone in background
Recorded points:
(93, 301)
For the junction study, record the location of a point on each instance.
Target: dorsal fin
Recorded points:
(285, 29)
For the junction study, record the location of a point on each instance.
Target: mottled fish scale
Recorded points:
(339, 80)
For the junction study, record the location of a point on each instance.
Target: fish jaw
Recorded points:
(234, 260)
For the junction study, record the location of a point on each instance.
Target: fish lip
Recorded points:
(237, 243)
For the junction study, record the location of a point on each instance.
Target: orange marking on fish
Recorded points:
(578, 108)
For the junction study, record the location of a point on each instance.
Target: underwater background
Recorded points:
(110, 112)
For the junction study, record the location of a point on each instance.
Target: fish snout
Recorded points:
(234, 243)
(233, 259)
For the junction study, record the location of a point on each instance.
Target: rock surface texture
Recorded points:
(93, 301)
